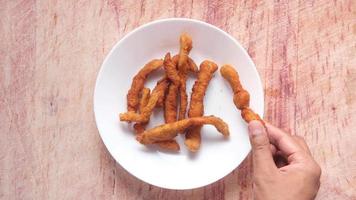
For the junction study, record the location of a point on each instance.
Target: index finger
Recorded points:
(285, 143)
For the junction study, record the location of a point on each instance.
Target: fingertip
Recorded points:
(262, 150)
(254, 124)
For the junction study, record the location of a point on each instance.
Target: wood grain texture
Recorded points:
(51, 51)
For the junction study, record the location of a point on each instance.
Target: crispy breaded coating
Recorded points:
(144, 116)
(139, 128)
(192, 67)
(145, 96)
(196, 108)
(231, 75)
(249, 115)
(242, 99)
(241, 96)
(170, 107)
(169, 131)
(160, 101)
(138, 83)
(170, 104)
(170, 145)
(171, 69)
(185, 42)
(183, 103)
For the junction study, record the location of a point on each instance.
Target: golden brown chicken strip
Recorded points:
(160, 101)
(241, 96)
(138, 83)
(192, 67)
(170, 104)
(145, 96)
(172, 94)
(249, 115)
(185, 42)
(144, 116)
(196, 109)
(170, 108)
(169, 131)
(170, 145)
(171, 69)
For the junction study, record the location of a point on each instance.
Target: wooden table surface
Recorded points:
(51, 52)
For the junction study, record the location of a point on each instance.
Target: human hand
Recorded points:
(298, 179)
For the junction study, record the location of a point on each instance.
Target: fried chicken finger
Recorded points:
(144, 116)
(241, 96)
(169, 131)
(170, 108)
(196, 109)
(138, 83)
(145, 96)
(185, 42)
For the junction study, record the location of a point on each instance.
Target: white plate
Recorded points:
(217, 156)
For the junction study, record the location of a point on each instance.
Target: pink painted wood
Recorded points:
(51, 51)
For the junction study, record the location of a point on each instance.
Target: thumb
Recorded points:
(261, 152)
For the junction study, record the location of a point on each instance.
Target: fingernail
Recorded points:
(255, 128)
(257, 132)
